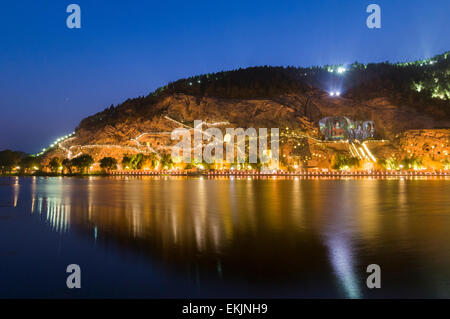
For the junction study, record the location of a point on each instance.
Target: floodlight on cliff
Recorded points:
(341, 70)
(338, 93)
(331, 93)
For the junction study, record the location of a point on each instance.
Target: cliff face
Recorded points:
(131, 130)
(430, 145)
(300, 111)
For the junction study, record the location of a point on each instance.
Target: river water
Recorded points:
(179, 237)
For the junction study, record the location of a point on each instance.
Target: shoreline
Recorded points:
(245, 174)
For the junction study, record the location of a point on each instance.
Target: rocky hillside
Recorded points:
(396, 97)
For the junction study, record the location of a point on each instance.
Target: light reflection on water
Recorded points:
(298, 237)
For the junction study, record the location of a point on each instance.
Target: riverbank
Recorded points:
(283, 173)
(239, 173)
(45, 174)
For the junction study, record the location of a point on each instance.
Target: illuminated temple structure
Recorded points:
(335, 128)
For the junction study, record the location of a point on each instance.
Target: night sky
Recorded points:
(52, 76)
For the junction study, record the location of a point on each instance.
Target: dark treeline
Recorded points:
(424, 85)
(17, 161)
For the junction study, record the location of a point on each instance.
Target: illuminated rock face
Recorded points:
(129, 130)
(433, 146)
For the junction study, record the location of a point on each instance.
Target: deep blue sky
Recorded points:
(52, 76)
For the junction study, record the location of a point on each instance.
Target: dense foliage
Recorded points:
(9, 160)
(55, 164)
(82, 163)
(343, 161)
(139, 161)
(108, 163)
(17, 161)
(406, 163)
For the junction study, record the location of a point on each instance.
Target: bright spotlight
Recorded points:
(341, 70)
(338, 93)
(331, 93)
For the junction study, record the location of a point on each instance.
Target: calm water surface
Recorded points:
(176, 237)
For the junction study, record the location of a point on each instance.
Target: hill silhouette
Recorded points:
(423, 85)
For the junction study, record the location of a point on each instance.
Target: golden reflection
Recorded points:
(259, 227)
(16, 189)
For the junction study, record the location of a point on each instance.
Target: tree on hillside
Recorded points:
(108, 163)
(82, 162)
(343, 161)
(126, 162)
(151, 160)
(29, 164)
(166, 161)
(411, 162)
(67, 165)
(54, 164)
(139, 161)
